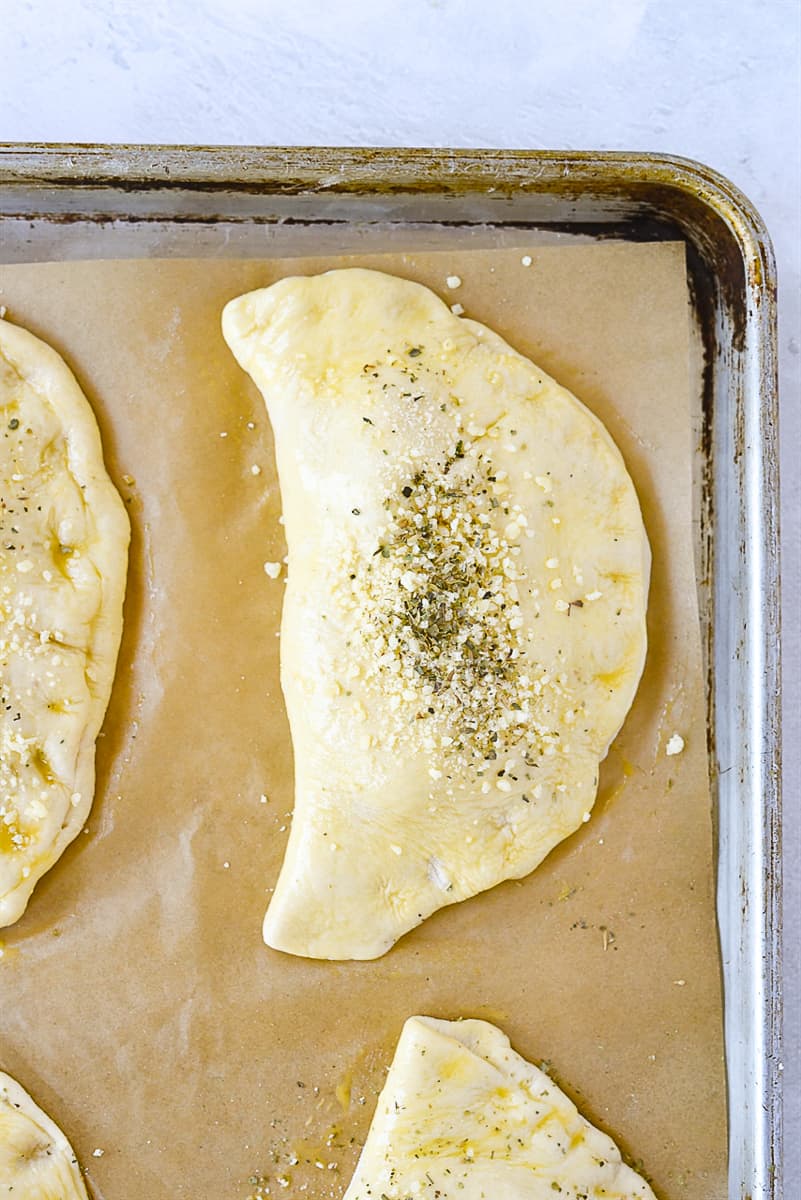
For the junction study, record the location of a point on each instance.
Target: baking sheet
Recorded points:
(139, 1004)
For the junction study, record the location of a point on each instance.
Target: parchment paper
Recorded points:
(138, 1002)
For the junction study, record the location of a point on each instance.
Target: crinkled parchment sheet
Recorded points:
(138, 1003)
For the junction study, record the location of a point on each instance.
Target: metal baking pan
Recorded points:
(71, 202)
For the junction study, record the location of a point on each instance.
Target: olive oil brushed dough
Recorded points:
(463, 630)
(63, 561)
(461, 1114)
(36, 1160)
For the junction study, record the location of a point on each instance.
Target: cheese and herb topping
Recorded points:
(463, 1117)
(63, 556)
(464, 622)
(438, 606)
(675, 744)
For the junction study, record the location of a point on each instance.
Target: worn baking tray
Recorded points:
(77, 202)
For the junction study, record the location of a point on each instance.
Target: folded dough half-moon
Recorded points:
(36, 1160)
(464, 623)
(64, 539)
(462, 1115)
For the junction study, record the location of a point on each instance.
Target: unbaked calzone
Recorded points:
(63, 558)
(36, 1160)
(463, 1116)
(464, 622)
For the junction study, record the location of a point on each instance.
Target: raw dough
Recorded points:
(464, 623)
(63, 557)
(36, 1160)
(463, 1117)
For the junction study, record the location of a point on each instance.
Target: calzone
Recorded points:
(63, 558)
(463, 628)
(463, 1117)
(36, 1160)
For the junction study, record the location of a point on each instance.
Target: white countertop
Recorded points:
(717, 81)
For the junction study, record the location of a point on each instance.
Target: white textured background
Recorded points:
(717, 80)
